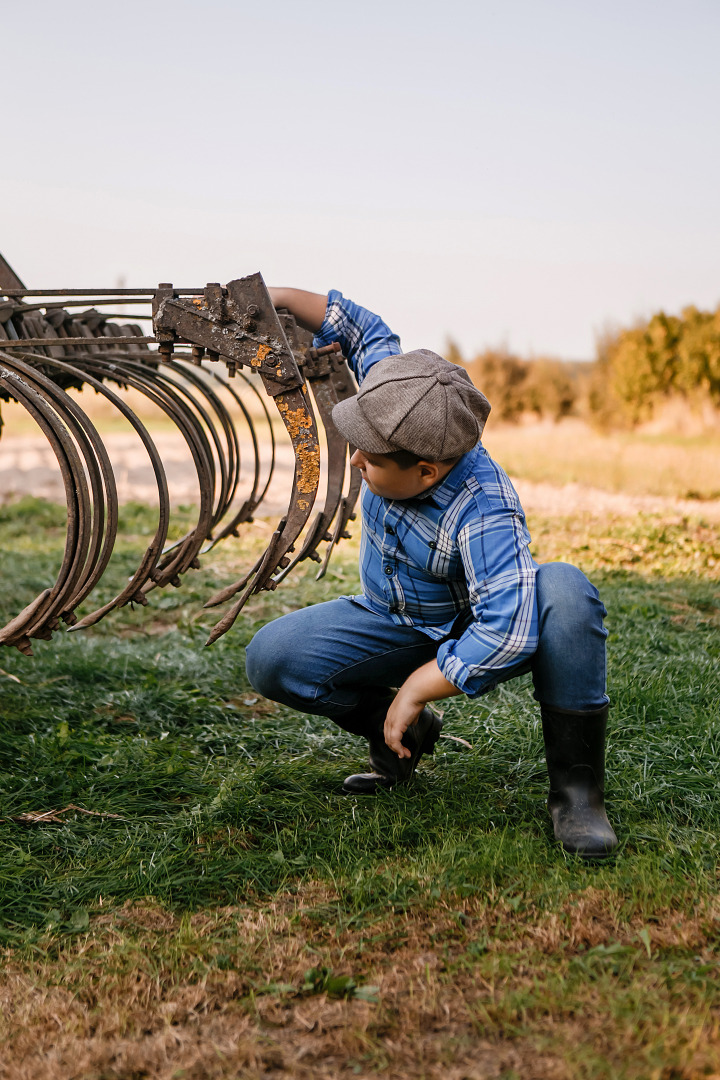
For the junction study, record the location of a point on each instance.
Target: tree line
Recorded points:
(636, 371)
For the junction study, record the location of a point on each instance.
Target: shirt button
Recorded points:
(389, 530)
(432, 545)
(388, 570)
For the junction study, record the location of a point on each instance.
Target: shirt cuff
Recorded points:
(330, 330)
(456, 672)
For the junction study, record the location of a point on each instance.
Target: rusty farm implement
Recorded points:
(195, 355)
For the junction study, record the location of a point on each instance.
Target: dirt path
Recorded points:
(28, 466)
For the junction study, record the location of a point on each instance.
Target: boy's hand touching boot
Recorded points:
(411, 729)
(427, 683)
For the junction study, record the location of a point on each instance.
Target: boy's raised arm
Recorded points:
(363, 336)
(307, 307)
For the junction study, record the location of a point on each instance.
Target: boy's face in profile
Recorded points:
(387, 479)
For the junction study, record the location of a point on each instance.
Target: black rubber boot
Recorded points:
(575, 753)
(388, 769)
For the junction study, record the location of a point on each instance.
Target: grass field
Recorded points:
(634, 462)
(214, 907)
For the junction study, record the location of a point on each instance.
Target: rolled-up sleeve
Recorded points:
(500, 575)
(363, 337)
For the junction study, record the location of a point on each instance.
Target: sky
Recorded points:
(523, 174)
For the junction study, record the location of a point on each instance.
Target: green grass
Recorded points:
(224, 809)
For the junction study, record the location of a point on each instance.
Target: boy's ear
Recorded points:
(429, 472)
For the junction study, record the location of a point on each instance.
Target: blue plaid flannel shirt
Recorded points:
(454, 562)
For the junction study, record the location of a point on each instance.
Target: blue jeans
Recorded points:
(334, 658)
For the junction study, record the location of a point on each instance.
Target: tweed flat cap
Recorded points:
(415, 401)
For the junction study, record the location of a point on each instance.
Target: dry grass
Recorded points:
(634, 463)
(466, 990)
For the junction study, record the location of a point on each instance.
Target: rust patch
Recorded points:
(295, 420)
(309, 473)
(307, 451)
(262, 352)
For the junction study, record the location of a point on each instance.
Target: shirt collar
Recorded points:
(446, 489)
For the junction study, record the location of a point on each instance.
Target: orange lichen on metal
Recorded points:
(308, 458)
(199, 301)
(295, 420)
(262, 352)
(300, 425)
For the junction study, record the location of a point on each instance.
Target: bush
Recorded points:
(665, 358)
(544, 388)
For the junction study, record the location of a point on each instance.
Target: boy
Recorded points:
(452, 601)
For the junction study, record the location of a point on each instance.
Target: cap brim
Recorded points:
(354, 426)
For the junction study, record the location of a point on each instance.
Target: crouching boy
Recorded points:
(452, 602)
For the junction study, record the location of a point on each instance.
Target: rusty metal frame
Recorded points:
(47, 346)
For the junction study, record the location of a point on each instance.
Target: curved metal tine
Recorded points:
(228, 457)
(47, 419)
(199, 378)
(143, 378)
(196, 412)
(246, 511)
(183, 556)
(229, 591)
(90, 524)
(104, 491)
(254, 572)
(325, 398)
(132, 592)
(38, 617)
(219, 505)
(346, 514)
(344, 386)
(189, 417)
(296, 412)
(332, 381)
(148, 562)
(211, 376)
